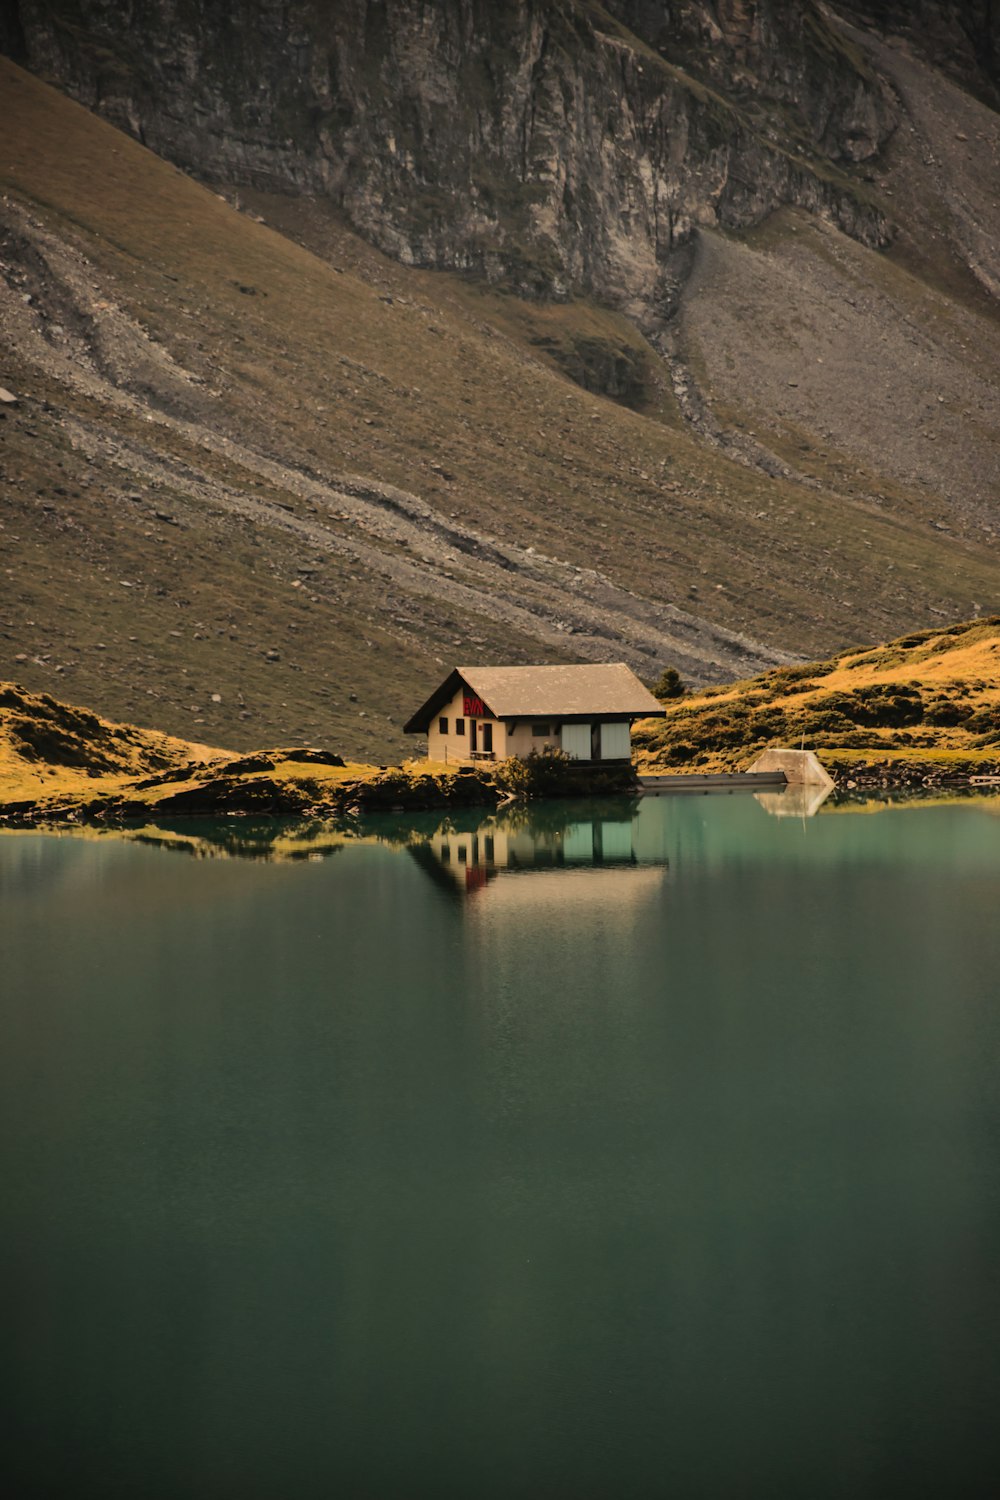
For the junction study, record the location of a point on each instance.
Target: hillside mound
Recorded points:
(61, 763)
(933, 697)
(52, 748)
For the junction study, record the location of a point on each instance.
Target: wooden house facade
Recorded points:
(490, 713)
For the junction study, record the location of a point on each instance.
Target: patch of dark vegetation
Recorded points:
(249, 764)
(668, 685)
(848, 720)
(40, 740)
(551, 773)
(405, 791)
(264, 796)
(43, 730)
(783, 677)
(190, 771)
(986, 724)
(543, 773)
(311, 757)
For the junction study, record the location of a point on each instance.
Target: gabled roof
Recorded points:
(563, 692)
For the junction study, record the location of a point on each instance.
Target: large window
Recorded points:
(576, 741)
(459, 726)
(615, 742)
(443, 725)
(539, 731)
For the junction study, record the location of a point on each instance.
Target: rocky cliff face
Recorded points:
(961, 37)
(548, 145)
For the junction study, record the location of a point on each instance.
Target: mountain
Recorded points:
(352, 340)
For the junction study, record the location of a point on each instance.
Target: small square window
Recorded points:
(539, 731)
(459, 726)
(443, 725)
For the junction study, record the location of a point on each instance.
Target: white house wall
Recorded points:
(522, 739)
(519, 737)
(453, 748)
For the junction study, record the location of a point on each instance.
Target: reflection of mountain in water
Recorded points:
(469, 856)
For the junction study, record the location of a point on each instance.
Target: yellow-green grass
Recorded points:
(51, 749)
(56, 760)
(931, 697)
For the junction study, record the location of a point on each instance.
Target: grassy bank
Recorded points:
(60, 763)
(924, 706)
(921, 711)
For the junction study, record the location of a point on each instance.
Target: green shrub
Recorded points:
(669, 685)
(542, 773)
(784, 675)
(945, 712)
(986, 721)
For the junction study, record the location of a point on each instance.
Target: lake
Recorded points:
(616, 1150)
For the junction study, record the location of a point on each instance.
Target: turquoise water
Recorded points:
(662, 1161)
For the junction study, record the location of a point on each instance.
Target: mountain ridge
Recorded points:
(320, 473)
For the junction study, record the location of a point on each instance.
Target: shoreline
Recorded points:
(251, 791)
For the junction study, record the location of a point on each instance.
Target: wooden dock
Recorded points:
(733, 781)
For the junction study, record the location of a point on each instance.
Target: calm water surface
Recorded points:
(623, 1153)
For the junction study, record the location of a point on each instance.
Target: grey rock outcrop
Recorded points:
(548, 145)
(961, 37)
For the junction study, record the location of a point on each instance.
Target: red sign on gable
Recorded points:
(473, 708)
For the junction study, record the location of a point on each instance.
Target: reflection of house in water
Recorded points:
(470, 857)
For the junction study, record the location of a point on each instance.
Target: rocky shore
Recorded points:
(279, 786)
(911, 775)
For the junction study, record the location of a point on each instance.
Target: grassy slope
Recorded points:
(217, 329)
(931, 696)
(49, 748)
(59, 756)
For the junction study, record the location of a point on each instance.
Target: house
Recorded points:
(490, 713)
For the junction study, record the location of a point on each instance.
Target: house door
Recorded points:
(473, 739)
(595, 741)
(488, 738)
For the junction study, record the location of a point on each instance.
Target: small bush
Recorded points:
(946, 713)
(669, 685)
(783, 675)
(542, 773)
